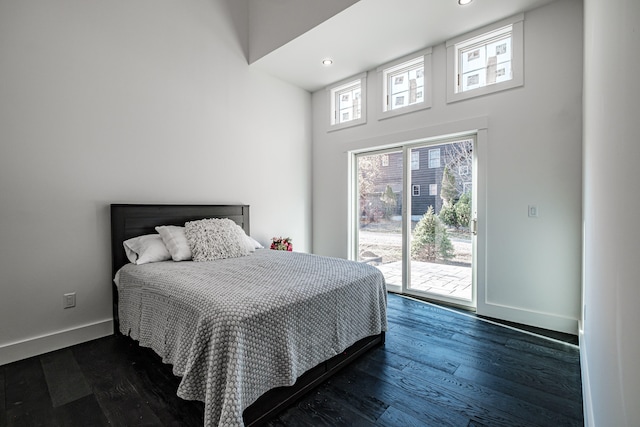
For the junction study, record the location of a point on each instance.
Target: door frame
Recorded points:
(438, 135)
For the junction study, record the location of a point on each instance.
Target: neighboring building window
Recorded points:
(486, 61)
(433, 189)
(348, 103)
(385, 160)
(406, 84)
(434, 158)
(415, 160)
(415, 190)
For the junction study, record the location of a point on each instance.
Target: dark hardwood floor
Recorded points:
(438, 367)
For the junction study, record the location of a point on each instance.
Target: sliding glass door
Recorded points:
(415, 217)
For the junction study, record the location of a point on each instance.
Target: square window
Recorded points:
(433, 189)
(415, 190)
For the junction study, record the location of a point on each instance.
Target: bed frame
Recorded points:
(128, 220)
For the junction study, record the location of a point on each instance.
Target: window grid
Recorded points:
(415, 190)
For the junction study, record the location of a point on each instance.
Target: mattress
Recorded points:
(236, 328)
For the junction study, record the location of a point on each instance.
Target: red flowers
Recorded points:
(281, 244)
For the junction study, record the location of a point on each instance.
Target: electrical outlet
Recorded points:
(69, 300)
(533, 211)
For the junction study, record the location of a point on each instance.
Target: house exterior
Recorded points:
(427, 171)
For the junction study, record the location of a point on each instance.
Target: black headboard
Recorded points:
(135, 220)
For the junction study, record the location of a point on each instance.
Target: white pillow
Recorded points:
(145, 249)
(255, 243)
(252, 244)
(176, 242)
(215, 238)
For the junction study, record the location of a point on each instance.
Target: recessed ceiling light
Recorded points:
(463, 2)
(327, 61)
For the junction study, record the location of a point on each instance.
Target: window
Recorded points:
(434, 158)
(433, 189)
(415, 160)
(348, 103)
(406, 84)
(385, 160)
(415, 190)
(486, 61)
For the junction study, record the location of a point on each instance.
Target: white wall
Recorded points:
(610, 346)
(134, 102)
(532, 156)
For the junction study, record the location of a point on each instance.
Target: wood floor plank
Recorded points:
(81, 412)
(3, 407)
(567, 405)
(440, 389)
(394, 417)
(25, 382)
(323, 409)
(65, 380)
(367, 385)
(494, 360)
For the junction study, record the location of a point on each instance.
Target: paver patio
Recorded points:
(449, 280)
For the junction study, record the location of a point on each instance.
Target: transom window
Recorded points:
(485, 60)
(404, 84)
(348, 102)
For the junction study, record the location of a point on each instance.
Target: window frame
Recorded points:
(433, 189)
(385, 70)
(454, 46)
(335, 89)
(415, 187)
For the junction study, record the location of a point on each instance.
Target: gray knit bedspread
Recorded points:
(235, 328)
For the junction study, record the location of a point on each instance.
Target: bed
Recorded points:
(246, 351)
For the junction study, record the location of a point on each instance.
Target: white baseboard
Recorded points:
(586, 385)
(45, 343)
(538, 319)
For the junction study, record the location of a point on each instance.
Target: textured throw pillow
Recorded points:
(145, 249)
(176, 242)
(212, 239)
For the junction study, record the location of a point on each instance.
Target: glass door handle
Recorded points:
(474, 226)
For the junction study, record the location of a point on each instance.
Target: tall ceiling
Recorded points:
(373, 32)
